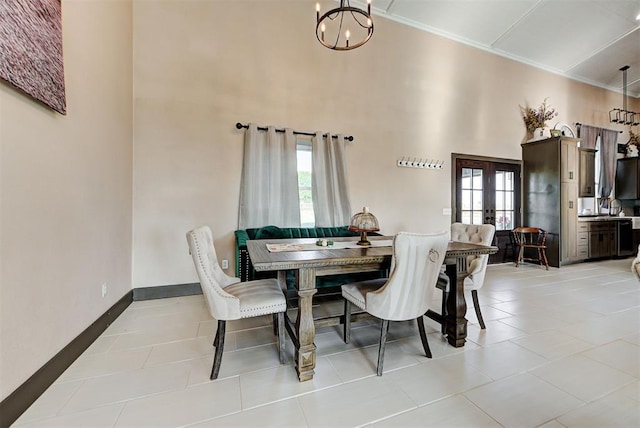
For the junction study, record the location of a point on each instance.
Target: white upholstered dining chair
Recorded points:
(476, 265)
(407, 293)
(229, 299)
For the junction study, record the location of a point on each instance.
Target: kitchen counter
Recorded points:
(602, 218)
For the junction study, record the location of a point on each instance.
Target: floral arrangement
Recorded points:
(537, 118)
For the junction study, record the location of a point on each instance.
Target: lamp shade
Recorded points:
(364, 222)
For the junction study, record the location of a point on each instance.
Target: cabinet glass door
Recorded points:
(489, 192)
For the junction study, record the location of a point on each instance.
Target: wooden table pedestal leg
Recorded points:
(456, 323)
(305, 355)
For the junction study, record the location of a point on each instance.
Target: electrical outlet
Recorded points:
(225, 264)
(104, 289)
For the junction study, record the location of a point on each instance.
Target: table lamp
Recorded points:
(364, 222)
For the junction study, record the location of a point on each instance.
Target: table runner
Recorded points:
(276, 248)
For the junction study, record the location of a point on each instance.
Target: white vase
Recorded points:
(541, 134)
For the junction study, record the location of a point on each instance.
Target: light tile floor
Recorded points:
(561, 349)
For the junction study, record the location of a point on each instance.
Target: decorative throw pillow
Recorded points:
(269, 232)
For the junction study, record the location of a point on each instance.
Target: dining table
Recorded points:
(310, 260)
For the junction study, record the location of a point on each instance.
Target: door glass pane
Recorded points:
(499, 220)
(477, 200)
(471, 194)
(466, 178)
(504, 220)
(508, 201)
(499, 201)
(508, 185)
(477, 179)
(500, 180)
(508, 220)
(466, 199)
(505, 200)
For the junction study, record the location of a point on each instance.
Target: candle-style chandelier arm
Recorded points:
(355, 18)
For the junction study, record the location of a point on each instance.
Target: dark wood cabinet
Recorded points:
(550, 195)
(628, 179)
(602, 239)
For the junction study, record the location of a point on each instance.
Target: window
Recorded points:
(307, 217)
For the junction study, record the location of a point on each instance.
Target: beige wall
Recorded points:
(65, 194)
(202, 66)
(67, 182)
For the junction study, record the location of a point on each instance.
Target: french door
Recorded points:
(488, 191)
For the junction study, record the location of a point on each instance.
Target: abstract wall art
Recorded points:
(31, 49)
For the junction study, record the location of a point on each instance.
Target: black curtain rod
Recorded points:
(264, 128)
(579, 124)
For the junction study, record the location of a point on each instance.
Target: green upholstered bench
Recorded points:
(246, 272)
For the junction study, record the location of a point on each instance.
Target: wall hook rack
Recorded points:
(420, 163)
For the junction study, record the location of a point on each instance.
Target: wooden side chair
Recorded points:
(531, 237)
(229, 299)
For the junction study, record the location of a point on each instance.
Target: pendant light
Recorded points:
(345, 27)
(622, 115)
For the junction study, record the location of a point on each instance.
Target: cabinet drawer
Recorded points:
(583, 252)
(583, 238)
(601, 226)
(583, 226)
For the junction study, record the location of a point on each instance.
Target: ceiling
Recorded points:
(585, 40)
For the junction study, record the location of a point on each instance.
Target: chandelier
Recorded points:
(622, 115)
(357, 25)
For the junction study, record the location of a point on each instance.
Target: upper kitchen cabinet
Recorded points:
(586, 173)
(628, 178)
(568, 159)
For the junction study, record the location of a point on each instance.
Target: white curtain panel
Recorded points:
(329, 188)
(269, 188)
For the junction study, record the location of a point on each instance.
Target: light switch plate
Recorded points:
(446, 211)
